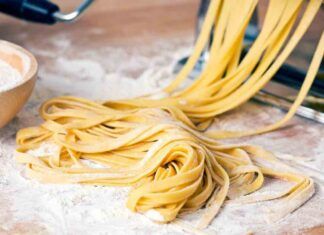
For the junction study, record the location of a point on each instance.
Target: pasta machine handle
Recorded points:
(40, 11)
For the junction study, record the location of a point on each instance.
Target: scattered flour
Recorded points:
(86, 209)
(154, 215)
(9, 76)
(45, 149)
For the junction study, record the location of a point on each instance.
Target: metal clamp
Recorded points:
(59, 16)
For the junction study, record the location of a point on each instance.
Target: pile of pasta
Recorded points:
(163, 147)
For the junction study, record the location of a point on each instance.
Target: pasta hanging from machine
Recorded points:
(162, 147)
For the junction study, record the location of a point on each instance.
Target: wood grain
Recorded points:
(117, 22)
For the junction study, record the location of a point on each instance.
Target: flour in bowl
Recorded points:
(9, 76)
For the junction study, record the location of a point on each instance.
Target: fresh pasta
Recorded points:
(163, 147)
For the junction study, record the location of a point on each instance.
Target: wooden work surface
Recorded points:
(135, 26)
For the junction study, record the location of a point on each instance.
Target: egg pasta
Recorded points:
(163, 147)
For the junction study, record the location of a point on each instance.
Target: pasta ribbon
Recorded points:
(161, 147)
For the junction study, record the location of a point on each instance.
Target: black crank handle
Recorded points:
(40, 11)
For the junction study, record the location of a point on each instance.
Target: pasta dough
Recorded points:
(161, 147)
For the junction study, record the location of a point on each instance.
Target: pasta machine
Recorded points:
(285, 84)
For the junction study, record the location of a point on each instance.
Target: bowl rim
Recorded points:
(33, 67)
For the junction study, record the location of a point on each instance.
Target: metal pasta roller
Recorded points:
(282, 89)
(41, 11)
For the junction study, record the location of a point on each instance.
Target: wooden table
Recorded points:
(125, 24)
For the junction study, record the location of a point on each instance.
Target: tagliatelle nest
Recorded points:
(172, 167)
(161, 147)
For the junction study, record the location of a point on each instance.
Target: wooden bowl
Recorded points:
(13, 99)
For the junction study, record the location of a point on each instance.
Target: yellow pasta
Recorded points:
(162, 148)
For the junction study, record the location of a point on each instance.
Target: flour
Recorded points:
(45, 149)
(9, 76)
(154, 215)
(117, 73)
